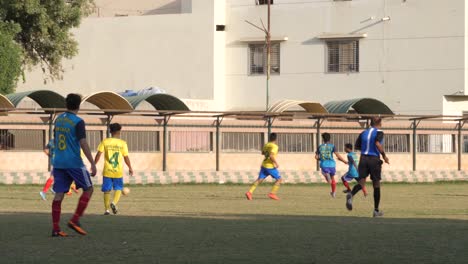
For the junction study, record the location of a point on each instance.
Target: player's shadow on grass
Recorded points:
(208, 238)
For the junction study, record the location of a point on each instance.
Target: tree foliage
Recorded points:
(10, 57)
(44, 30)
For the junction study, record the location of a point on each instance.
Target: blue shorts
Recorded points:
(63, 178)
(330, 170)
(109, 183)
(348, 177)
(264, 172)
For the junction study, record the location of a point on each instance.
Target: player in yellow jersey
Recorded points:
(269, 168)
(115, 152)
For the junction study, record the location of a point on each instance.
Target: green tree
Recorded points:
(10, 58)
(44, 30)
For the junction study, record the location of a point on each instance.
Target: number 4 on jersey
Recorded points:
(114, 160)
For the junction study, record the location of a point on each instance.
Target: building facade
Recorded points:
(410, 54)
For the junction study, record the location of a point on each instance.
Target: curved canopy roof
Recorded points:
(5, 103)
(159, 102)
(44, 98)
(360, 105)
(310, 107)
(109, 100)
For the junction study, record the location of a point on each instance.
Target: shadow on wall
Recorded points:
(174, 7)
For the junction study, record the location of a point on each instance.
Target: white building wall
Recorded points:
(173, 52)
(409, 62)
(418, 52)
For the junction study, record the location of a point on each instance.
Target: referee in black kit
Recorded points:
(370, 142)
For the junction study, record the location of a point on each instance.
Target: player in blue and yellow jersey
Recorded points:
(115, 152)
(70, 139)
(327, 163)
(352, 173)
(49, 151)
(269, 168)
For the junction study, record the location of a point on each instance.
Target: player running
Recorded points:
(115, 152)
(269, 168)
(370, 142)
(352, 173)
(70, 138)
(327, 162)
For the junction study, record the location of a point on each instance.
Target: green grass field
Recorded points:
(425, 223)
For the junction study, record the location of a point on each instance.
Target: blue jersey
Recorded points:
(325, 152)
(69, 130)
(352, 171)
(367, 139)
(51, 147)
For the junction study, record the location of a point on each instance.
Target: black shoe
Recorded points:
(346, 191)
(114, 208)
(106, 212)
(349, 201)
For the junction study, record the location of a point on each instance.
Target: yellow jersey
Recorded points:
(114, 150)
(269, 150)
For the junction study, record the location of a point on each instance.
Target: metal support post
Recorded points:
(218, 124)
(164, 150)
(415, 126)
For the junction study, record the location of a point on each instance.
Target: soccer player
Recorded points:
(70, 138)
(115, 152)
(49, 151)
(352, 173)
(370, 142)
(327, 163)
(269, 168)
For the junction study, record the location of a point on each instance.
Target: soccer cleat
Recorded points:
(349, 201)
(43, 196)
(333, 194)
(77, 228)
(346, 191)
(59, 234)
(377, 213)
(248, 195)
(114, 208)
(273, 196)
(107, 212)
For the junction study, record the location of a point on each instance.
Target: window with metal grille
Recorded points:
(465, 144)
(263, 2)
(141, 141)
(22, 139)
(190, 141)
(241, 142)
(343, 56)
(258, 59)
(396, 143)
(295, 142)
(94, 137)
(339, 140)
(436, 143)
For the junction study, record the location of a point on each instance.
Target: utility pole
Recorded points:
(268, 44)
(267, 32)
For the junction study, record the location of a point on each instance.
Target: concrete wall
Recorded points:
(173, 52)
(419, 51)
(409, 62)
(148, 162)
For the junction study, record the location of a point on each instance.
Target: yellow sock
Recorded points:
(107, 200)
(253, 187)
(117, 197)
(275, 189)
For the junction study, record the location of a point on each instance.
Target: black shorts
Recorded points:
(370, 165)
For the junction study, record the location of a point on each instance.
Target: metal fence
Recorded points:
(202, 135)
